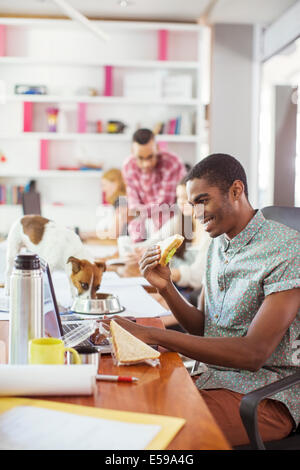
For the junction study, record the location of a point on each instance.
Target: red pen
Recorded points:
(116, 378)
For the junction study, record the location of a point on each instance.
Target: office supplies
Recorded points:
(46, 380)
(69, 427)
(116, 378)
(26, 306)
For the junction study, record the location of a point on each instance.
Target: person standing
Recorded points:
(151, 177)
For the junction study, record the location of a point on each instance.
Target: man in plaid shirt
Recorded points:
(151, 178)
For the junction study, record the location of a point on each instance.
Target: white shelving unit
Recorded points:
(68, 60)
(97, 137)
(98, 99)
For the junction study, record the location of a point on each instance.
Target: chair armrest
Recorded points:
(250, 402)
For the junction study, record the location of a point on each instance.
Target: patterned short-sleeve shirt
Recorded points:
(262, 259)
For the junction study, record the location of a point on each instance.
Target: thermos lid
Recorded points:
(27, 261)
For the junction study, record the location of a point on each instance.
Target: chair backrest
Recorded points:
(31, 203)
(289, 216)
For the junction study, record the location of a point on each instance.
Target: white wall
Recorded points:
(235, 97)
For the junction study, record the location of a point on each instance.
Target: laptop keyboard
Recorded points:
(67, 327)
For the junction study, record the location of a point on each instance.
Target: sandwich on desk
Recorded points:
(129, 350)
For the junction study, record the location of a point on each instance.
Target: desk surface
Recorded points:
(166, 390)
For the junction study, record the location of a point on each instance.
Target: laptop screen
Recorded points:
(52, 322)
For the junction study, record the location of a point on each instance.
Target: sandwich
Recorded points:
(128, 349)
(168, 248)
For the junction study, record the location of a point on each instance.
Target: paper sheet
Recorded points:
(122, 281)
(136, 300)
(34, 380)
(34, 428)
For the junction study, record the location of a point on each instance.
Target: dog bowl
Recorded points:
(104, 304)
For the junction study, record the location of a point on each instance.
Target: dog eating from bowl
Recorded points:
(61, 248)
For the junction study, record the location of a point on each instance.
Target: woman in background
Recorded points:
(114, 194)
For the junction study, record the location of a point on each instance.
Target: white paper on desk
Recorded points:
(110, 276)
(101, 251)
(32, 380)
(34, 428)
(136, 300)
(122, 282)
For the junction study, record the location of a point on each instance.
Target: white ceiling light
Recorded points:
(77, 16)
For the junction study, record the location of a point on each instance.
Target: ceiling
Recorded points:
(215, 11)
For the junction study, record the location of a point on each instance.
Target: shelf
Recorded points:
(96, 137)
(107, 25)
(52, 174)
(98, 99)
(141, 64)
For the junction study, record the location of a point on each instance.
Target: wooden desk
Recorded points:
(166, 390)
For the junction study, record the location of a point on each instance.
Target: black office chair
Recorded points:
(289, 216)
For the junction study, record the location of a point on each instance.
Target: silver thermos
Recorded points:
(26, 306)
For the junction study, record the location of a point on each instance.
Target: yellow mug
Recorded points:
(49, 351)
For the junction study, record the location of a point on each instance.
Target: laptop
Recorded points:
(53, 325)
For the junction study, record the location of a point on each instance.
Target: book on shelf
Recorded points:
(11, 195)
(184, 124)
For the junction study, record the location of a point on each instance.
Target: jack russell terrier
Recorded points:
(60, 247)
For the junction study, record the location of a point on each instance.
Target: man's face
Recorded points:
(145, 155)
(212, 207)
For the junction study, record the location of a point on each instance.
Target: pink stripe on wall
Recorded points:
(27, 116)
(44, 160)
(162, 44)
(2, 40)
(108, 80)
(81, 124)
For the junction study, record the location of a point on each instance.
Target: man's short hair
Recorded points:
(142, 136)
(221, 170)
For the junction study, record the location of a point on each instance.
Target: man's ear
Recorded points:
(101, 265)
(237, 189)
(76, 264)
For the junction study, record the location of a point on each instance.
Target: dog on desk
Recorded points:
(61, 248)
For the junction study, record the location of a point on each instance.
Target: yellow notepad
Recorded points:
(169, 426)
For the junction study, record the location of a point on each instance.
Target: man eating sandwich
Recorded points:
(248, 315)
